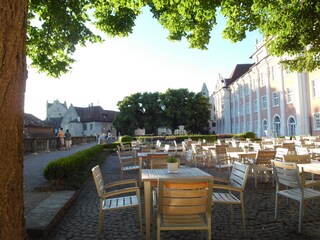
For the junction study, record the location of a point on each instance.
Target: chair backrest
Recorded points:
(189, 155)
(145, 149)
(158, 143)
(265, 157)
(166, 148)
(98, 180)
(158, 161)
(239, 175)
(302, 150)
(280, 152)
(297, 158)
(256, 147)
(287, 174)
(221, 149)
(290, 145)
(234, 149)
(184, 197)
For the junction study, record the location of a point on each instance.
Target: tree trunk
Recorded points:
(13, 75)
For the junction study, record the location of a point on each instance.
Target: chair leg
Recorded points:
(101, 223)
(243, 214)
(231, 210)
(300, 215)
(276, 207)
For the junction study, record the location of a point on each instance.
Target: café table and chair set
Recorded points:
(185, 199)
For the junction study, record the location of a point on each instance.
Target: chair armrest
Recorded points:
(226, 187)
(122, 182)
(135, 190)
(217, 179)
(312, 184)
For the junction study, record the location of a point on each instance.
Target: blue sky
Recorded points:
(143, 62)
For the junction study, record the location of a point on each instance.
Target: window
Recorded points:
(241, 91)
(289, 95)
(91, 126)
(292, 126)
(262, 83)
(276, 125)
(255, 105)
(264, 102)
(255, 126)
(247, 89)
(247, 108)
(85, 127)
(275, 99)
(248, 126)
(265, 125)
(272, 73)
(316, 88)
(317, 121)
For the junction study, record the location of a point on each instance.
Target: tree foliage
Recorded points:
(170, 109)
(56, 28)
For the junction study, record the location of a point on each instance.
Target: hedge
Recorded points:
(63, 168)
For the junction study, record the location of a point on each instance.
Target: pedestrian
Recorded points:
(61, 138)
(68, 139)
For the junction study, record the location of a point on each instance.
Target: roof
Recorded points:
(238, 71)
(31, 120)
(95, 114)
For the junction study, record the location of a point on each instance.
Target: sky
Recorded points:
(146, 61)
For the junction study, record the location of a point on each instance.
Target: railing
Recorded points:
(34, 145)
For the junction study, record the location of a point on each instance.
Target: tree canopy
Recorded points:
(171, 109)
(56, 28)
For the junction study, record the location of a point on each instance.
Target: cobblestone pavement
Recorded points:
(81, 220)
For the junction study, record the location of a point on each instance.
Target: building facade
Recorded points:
(81, 121)
(267, 99)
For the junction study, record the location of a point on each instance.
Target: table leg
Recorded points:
(147, 203)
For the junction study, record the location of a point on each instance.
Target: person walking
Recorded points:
(68, 139)
(61, 138)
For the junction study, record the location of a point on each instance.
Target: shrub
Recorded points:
(126, 138)
(62, 169)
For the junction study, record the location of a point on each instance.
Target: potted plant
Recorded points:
(173, 164)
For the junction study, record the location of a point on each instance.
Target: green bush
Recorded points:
(62, 169)
(112, 147)
(126, 138)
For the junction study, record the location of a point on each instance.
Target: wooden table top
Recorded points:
(183, 173)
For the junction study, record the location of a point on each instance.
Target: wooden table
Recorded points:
(152, 175)
(310, 167)
(242, 156)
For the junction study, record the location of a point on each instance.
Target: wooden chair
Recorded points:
(290, 145)
(236, 184)
(125, 147)
(234, 149)
(301, 150)
(116, 199)
(287, 174)
(280, 152)
(158, 161)
(222, 161)
(128, 162)
(256, 146)
(200, 156)
(262, 164)
(184, 205)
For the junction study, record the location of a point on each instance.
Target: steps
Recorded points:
(41, 219)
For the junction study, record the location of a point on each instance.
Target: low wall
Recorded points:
(33, 145)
